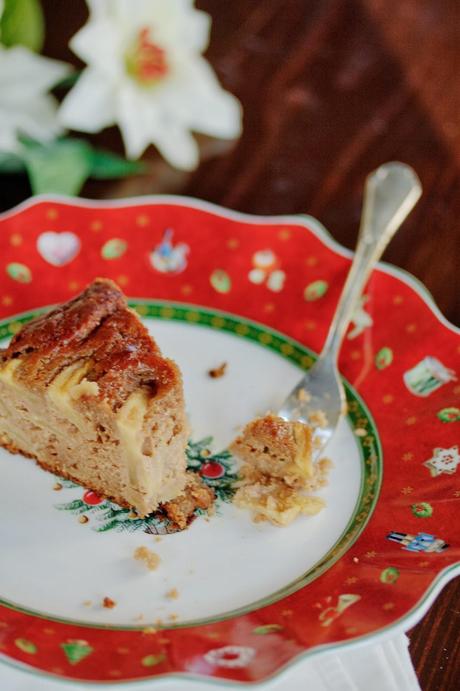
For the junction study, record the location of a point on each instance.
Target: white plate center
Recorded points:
(51, 563)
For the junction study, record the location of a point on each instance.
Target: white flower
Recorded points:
(146, 73)
(26, 107)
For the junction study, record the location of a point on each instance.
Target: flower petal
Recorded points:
(181, 27)
(90, 105)
(177, 146)
(135, 120)
(143, 121)
(197, 99)
(23, 74)
(102, 44)
(8, 140)
(38, 120)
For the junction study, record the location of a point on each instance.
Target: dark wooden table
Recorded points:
(330, 89)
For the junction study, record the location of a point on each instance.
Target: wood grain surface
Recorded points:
(330, 89)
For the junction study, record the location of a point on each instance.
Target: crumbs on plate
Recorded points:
(149, 558)
(108, 603)
(318, 418)
(218, 372)
(172, 594)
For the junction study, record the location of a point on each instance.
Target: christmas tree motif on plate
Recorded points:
(217, 470)
(76, 650)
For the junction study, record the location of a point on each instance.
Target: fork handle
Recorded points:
(390, 194)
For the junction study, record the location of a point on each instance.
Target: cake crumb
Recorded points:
(87, 603)
(158, 623)
(303, 395)
(172, 594)
(150, 559)
(83, 519)
(318, 418)
(57, 486)
(278, 473)
(360, 432)
(218, 372)
(317, 443)
(158, 538)
(173, 617)
(149, 630)
(108, 603)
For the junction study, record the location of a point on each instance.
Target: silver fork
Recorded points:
(391, 193)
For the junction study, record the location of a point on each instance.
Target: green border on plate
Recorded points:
(358, 416)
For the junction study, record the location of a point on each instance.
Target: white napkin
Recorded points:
(383, 666)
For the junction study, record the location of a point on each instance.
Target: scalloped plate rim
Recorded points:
(310, 223)
(301, 219)
(401, 625)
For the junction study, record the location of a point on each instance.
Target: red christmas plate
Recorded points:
(231, 600)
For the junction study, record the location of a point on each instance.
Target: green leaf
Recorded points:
(77, 505)
(107, 526)
(26, 646)
(153, 660)
(114, 249)
(59, 167)
(105, 165)
(10, 163)
(384, 358)
(76, 650)
(22, 23)
(19, 272)
(267, 628)
(68, 81)
(316, 290)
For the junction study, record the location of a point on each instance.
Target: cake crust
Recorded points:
(97, 327)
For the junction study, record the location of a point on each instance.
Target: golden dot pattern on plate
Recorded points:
(408, 456)
(284, 234)
(242, 329)
(16, 239)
